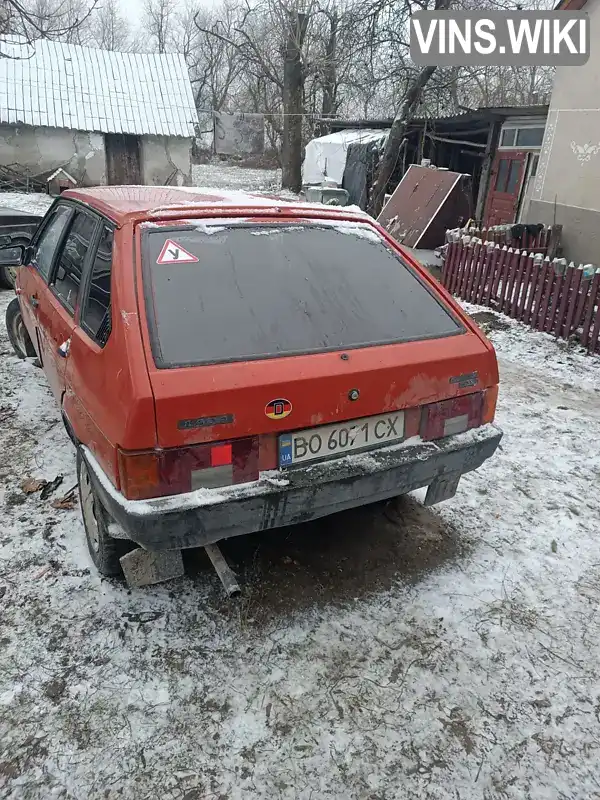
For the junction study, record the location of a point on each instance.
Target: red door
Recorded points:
(506, 181)
(57, 306)
(32, 278)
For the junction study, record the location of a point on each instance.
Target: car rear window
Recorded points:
(242, 292)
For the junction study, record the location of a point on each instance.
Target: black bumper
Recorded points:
(298, 495)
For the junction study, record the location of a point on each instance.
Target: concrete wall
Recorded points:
(83, 155)
(43, 149)
(567, 184)
(161, 155)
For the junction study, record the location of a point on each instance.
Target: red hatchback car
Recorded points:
(228, 363)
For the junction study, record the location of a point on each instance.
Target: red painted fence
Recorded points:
(543, 240)
(548, 295)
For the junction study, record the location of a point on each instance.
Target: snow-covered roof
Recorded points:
(59, 85)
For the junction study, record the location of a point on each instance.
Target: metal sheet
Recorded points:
(425, 203)
(68, 86)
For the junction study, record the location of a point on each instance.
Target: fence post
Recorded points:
(460, 290)
(587, 274)
(506, 277)
(589, 316)
(500, 268)
(542, 297)
(560, 266)
(566, 291)
(518, 284)
(573, 303)
(475, 267)
(535, 276)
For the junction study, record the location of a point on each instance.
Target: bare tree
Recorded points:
(293, 95)
(300, 62)
(65, 20)
(215, 61)
(159, 18)
(395, 137)
(110, 30)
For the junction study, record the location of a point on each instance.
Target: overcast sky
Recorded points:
(133, 9)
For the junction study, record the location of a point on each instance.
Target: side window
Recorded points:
(49, 240)
(69, 270)
(95, 316)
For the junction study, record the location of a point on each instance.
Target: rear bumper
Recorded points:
(287, 498)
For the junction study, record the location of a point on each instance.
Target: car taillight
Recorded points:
(490, 398)
(158, 473)
(458, 414)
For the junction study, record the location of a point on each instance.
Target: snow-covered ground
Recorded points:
(389, 653)
(215, 174)
(221, 173)
(33, 202)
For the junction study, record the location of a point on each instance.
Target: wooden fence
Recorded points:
(536, 238)
(550, 296)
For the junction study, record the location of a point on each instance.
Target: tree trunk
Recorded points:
(293, 90)
(394, 140)
(329, 78)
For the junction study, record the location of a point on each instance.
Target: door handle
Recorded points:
(34, 301)
(63, 349)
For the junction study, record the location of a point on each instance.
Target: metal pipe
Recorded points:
(223, 569)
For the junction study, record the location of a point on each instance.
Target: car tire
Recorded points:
(17, 332)
(7, 277)
(105, 551)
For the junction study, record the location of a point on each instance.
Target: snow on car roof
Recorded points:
(123, 202)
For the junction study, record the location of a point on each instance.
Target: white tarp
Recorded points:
(325, 157)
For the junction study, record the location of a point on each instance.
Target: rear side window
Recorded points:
(50, 237)
(69, 270)
(96, 316)
(248, 292)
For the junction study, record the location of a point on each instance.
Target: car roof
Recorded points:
(130, 203)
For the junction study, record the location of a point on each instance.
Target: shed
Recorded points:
(103, 117)
(498, 147)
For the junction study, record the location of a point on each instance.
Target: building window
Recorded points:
(527, 137)
(530, 137)
(508, 137)
(534, 166)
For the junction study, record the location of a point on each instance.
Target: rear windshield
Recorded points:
(241, 292)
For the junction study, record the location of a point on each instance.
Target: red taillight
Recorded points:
(159, 473)
(452, 416)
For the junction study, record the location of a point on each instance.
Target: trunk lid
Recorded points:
(254, 329)
(230, 401)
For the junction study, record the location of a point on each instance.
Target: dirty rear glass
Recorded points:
(241, 292)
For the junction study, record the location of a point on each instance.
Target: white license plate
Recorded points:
(329, 441)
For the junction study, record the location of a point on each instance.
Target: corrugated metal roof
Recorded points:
(482, 114)
(68, 86)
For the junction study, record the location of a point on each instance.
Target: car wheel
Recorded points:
(104, 550)
(8, 276)
(17, 332)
